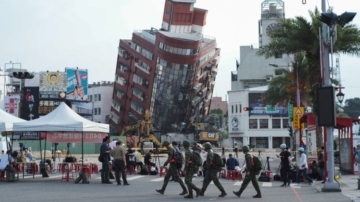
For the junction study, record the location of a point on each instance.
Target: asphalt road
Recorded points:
(142, 188)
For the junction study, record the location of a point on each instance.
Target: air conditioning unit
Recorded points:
(268, 78)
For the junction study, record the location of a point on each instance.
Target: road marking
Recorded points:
(157, 179)
(267, 184)
(271, 159)
(54, 176)
(211, 182)
(134, 178)
(238, 183)
(30, 176)
(98, 178)
(294, 186)
(296, 194)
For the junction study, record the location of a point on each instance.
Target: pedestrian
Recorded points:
(357, 160)
(195, 147)
(173, 170)
(120, 162)
(303, 168)
(250, 175)
(105, 155)
(223, 151)
(211, 174)
(236, 152)
(176, 148)
(190, 169)
(285, 165)
(231, 163)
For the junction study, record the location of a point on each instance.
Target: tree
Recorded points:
(297, 35)
(283, 87)
(352, 107)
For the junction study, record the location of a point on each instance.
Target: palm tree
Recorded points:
(283, 87)
(299, 35)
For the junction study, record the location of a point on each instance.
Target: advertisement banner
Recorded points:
(30, 104)
(52, 85)
(47, 106)
(75, 137)
(11, 104)
(77, 84)
(260, 107)
(32, 135)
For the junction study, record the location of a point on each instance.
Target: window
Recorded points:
(285, 123)
(253, 123)
(276, 123)
(240, 108)
(95, 97)
(235, 108)
(99, 97)
(137, 107)
(264, 123)
(262, 142)
(277, 141)
(181, 96)
(90, 98)
(161, 45)
(279, 56)
(95, 111)
(99, 111)
(232, 109)
(137, 79)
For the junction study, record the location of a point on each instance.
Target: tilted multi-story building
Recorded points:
(170, 71)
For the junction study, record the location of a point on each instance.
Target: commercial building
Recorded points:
(100, 96)
(218, 103)
(170, 71)
(266, 126)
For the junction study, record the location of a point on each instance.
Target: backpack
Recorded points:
(197, 158)
(144, 170)
(217, 161)
(179, 159)
(256, 164)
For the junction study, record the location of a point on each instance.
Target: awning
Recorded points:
(117, 102)
(137, 91)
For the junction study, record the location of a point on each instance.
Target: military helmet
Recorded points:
(283, 146)
(245, 148)
(207, 145)
(165, 143)
(186, 143)
(301, 149)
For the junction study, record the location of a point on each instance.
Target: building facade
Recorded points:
(218, 103)
(170, 71)
(265, 127)
(262, 128)
(100, 96)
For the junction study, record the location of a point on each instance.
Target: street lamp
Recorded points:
(340, 97)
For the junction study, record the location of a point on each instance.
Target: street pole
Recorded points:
(330, 185)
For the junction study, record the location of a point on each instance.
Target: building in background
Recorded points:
(100, 96)
(218, 103)
(170, 71)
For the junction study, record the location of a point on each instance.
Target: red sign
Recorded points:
(75, 137)
(11, 106)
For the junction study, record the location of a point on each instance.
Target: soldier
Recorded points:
(190, 169)
(211, 174)
(250, 175)
(173, 171)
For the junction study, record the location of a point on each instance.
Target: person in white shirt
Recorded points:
(5, 160)
(303, 168)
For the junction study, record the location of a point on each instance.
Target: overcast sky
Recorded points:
(51, 35)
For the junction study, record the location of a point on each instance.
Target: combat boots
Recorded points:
(161, 191)
(190, 195)
(223, 193)
(258, 195)
(237, 193)
(198, 191)
(184, 190)
(201, 192)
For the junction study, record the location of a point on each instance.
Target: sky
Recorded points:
(51, 35)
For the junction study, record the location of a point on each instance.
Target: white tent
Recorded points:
(62, 118)
(7, 120)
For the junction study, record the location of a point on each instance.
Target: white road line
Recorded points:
(98, 178)
(267, 184)
(56, 176)
(294, 186)
(238, 183)
(271, 159)
(212, 182)
(157, 179)
(29, 176)
(133, 178)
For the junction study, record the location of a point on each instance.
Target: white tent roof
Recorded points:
(7, 120)
(62, 118)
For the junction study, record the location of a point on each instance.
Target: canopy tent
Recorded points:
(7, 120)
(63, 118)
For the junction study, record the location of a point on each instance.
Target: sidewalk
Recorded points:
(349, 186)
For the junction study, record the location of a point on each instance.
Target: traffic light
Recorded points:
(290, 131)
(247, 109)
(331, 18)
(345, 18)
(23, 75)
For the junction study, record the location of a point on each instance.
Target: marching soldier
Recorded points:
(173, 171)
(190, 169)
(250, 175)
(211, 174)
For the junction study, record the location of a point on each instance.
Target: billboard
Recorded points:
(30, 104)
(256, 101)
(77, 84)
(11, 104)
(47, 106)
(52, 85)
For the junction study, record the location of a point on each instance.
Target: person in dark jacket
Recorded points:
(231, 163)
(105, 154)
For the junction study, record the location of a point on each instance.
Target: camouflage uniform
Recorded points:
(248, 178)
(173, 171)
(211, 175)
(190, 169)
